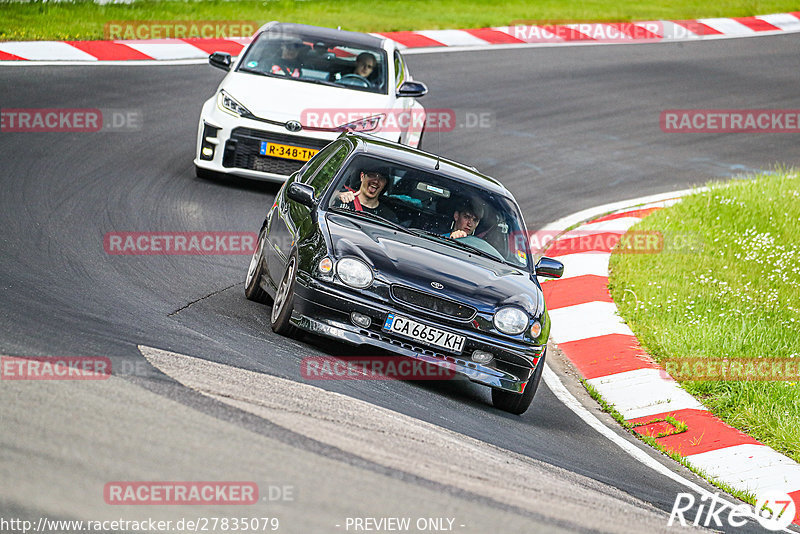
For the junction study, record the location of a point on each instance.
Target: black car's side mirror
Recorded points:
(412, 89)
(302, 193)
(549, 267)
(221, 60)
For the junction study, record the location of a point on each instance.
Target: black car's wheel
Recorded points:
(514, 402)
(252, 282)
(284, 300)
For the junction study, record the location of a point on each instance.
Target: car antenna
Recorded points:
(438, 145)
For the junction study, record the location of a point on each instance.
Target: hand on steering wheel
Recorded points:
(360, 80)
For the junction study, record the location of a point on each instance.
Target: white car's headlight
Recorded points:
(367, 124)
(354, 272)
(228, 104)
(511, 320)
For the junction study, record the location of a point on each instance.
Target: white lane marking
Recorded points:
(452, 37)
(402, 442)
(633, 450)
(54, 50)
(767, 470)
(785, 21)
(643, 392)
(584, 321)
(582, 264)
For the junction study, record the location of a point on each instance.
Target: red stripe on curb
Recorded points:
(577, 290)
(795, 495)
(5, 56)
(494, 36)
(607, 355)
(216, 45)
(567, 33)
(641, 214)
(411, 39)
(756, 24)
(697, 28)
(638, 33)
(108, 50)
(599, 242)
(705, 433)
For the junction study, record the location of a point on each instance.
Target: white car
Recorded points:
(293, 90)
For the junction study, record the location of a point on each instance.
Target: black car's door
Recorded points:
(290, 220)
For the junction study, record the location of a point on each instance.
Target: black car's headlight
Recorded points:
(354, 273)
(511, 320)
(228, 104)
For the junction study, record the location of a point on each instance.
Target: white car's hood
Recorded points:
(284, 99)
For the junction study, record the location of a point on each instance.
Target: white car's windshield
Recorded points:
(308, 58)
(435, 206)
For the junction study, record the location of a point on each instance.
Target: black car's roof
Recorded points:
(382, 148)
(328, 34)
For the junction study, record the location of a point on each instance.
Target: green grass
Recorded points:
(85, 20)
(726, 285)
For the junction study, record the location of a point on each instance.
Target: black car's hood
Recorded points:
(417, 262)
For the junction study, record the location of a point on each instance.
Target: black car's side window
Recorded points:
(317, 161)
(323, 178)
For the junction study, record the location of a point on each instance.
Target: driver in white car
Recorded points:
(365, 66)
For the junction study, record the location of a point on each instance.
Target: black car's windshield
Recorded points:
(434, 206)
(308, 58)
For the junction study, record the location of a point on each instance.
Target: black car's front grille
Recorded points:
(409, 345)
(432, 303)
(243, 149)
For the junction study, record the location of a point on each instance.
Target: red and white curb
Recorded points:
(515, 35)
(587, 329)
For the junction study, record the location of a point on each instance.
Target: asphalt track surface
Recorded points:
(571, 128)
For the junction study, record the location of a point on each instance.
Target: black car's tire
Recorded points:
(514, 402)
(252, 282)
(284, 300)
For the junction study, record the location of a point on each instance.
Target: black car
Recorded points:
(400, 275)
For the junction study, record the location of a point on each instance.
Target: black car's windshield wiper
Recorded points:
(476, 250)
(372, 217)
(456, 242)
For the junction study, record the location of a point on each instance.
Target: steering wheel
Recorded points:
(354, 80)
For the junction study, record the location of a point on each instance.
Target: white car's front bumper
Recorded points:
(234, 144)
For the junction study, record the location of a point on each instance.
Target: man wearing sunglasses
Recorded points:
(373, 183)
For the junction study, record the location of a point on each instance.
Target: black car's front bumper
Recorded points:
(325, 310)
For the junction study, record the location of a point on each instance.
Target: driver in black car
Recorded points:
(373, 183)
(466, 219)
